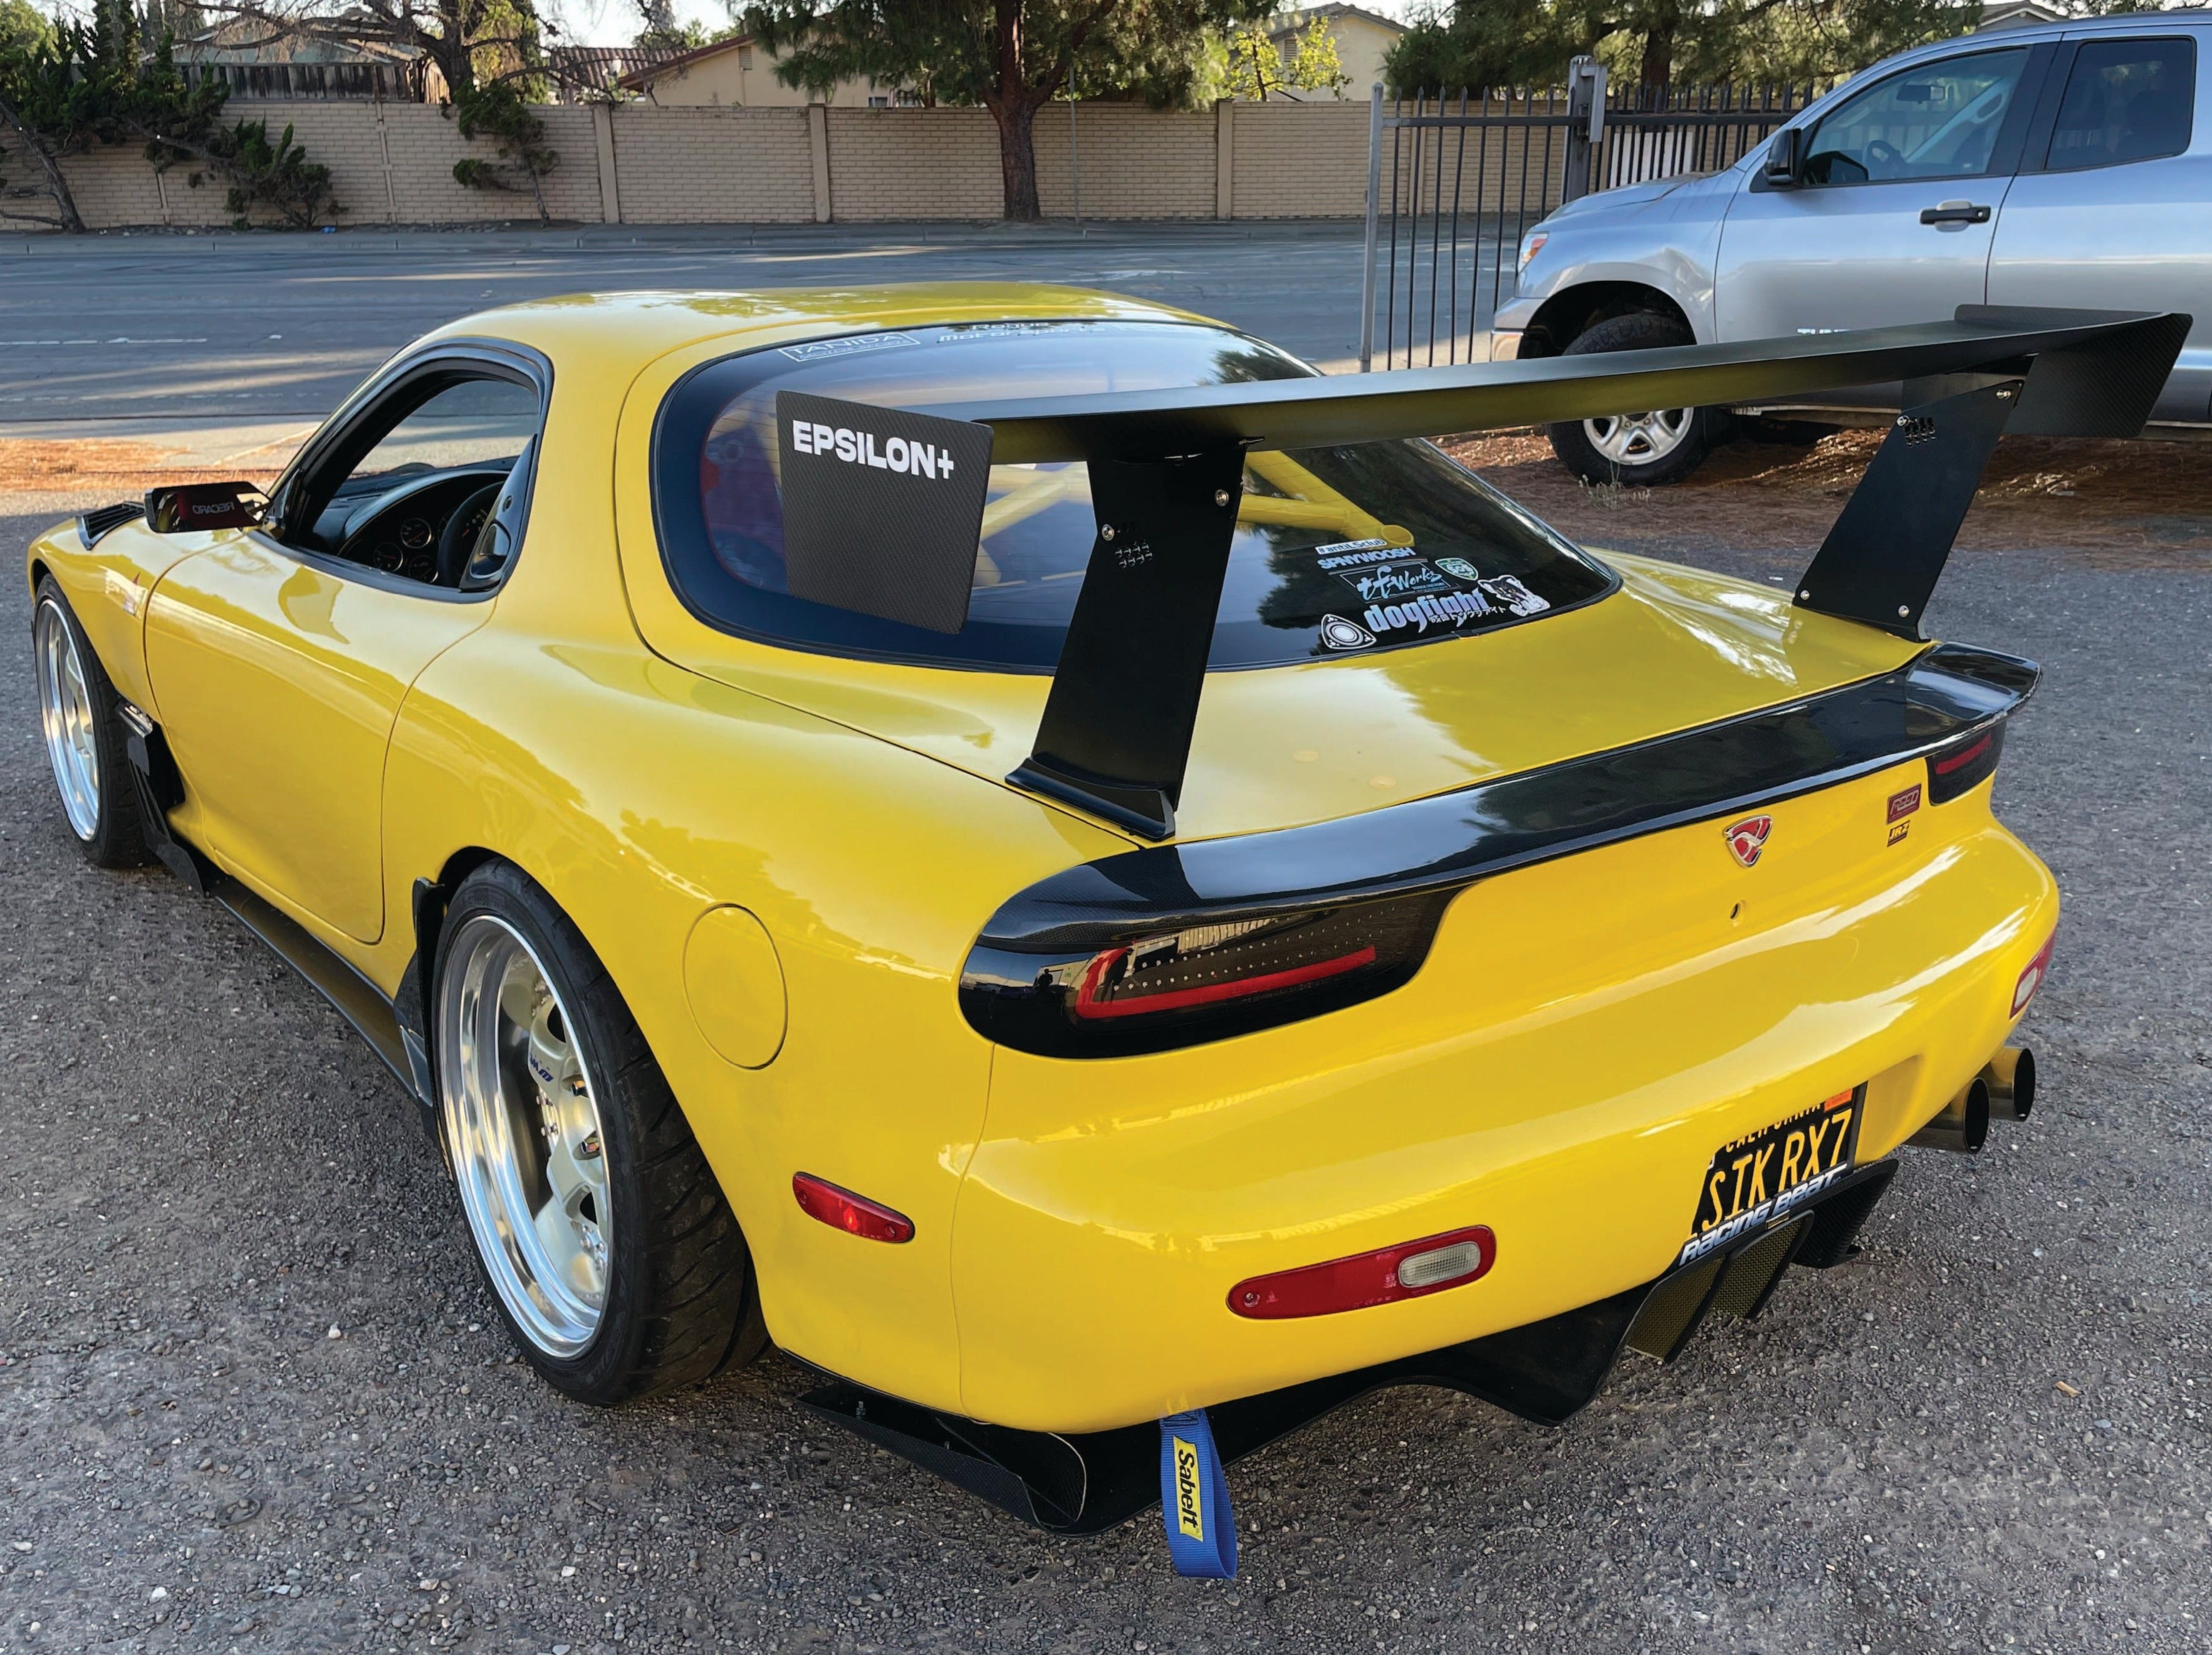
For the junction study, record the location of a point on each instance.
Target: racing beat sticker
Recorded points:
(882, 508)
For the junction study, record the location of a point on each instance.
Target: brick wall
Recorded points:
(642, 164)
(705, 165)
(887, 164)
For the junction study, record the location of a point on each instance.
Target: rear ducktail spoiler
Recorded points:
(1167, 470)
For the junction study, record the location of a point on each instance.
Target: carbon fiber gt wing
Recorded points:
(1166, 471)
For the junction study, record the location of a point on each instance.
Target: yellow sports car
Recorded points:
(1075, 874)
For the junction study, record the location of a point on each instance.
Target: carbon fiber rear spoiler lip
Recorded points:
(1713, 772)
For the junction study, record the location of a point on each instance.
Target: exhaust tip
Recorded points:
(1963, 1126)
(2010, 1078)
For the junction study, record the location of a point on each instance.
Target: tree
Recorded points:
(1253, 66)
(466, 41)
(1010, 56)
(1648, 43)
(93, 83)
(497, 110)
(22, 27)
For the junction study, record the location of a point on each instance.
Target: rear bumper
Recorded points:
(1085, 1482)
(1585, 1034)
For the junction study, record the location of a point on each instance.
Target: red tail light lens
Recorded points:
(1411, 1269)
(1964, 764)
(2031, 978)
(1177, 984)
(840, 1209)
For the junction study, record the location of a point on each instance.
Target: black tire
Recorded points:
(106, 826)
(1679, 453)
(679, 1301)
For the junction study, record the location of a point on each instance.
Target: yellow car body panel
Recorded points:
(1584, 1035)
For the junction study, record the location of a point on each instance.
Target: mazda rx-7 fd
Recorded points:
(1080, 877)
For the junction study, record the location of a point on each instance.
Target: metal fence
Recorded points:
(1455, 182)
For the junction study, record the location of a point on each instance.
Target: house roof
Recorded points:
(637, 77)
(1288, 22)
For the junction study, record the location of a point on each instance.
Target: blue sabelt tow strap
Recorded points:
(1194, 1499)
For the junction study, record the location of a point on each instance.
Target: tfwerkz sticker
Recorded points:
(1337, 633)
(1404, 578)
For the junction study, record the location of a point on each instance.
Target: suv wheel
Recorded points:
(1642, 450)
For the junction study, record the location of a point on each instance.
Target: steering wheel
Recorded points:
(1884, 154)
(462, 531)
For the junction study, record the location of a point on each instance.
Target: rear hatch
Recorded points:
(1670, 649)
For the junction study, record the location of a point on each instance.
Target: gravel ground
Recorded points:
(252, 1399)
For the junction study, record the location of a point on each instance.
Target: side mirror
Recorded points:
(190, 505)
(1784, 168)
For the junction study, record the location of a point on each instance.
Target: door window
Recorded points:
(1940, 120)
(2125, 100)
(429, 483)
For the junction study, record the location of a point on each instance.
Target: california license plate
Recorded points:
(1758, 1180)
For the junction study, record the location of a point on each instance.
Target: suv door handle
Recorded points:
(1955, 212)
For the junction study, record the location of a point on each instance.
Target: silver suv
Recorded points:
(2059, 164)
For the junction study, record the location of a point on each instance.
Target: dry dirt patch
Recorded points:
(2131, 504)
(38, 466)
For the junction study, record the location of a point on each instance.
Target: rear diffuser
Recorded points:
(1085, 1482)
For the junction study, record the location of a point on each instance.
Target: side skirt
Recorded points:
(1084, 1484)
(160, 789)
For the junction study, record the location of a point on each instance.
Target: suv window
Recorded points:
(1383, 542)
(1939, 120)
(2125, 100)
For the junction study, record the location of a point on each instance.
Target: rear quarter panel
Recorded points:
(641, 795)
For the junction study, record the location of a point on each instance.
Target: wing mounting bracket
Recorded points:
(1117, 725)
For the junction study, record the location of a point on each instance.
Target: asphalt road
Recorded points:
(240, 327)
(208, 1175)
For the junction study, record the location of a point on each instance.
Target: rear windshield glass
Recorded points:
(1350, 548)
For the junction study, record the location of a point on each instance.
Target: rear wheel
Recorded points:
(1639, 450)
(609, 1246)
(84, 736)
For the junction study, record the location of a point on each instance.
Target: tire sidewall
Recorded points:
(600, 1371)
(116, 840)
(1638, 330)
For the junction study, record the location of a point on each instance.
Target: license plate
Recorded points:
(1756, 1181)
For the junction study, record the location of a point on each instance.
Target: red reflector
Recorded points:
(1089, 1005)
(840, 1209)
(1964, 757)
(1408, 1271)
(2031, 978)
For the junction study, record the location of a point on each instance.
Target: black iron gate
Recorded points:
(1454, 183)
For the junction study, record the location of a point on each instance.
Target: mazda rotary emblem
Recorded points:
(1746, 838)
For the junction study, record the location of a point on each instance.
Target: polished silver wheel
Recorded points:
(66, 713)
(1639, 439)
(524, 1131)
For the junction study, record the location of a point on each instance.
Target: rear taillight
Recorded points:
(1964, 764)
(1408, 1271)
(2031, 978)
(1144, 989)
(840, 1209)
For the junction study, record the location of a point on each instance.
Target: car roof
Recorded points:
(644, 326)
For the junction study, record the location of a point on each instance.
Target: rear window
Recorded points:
(1337, 550)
